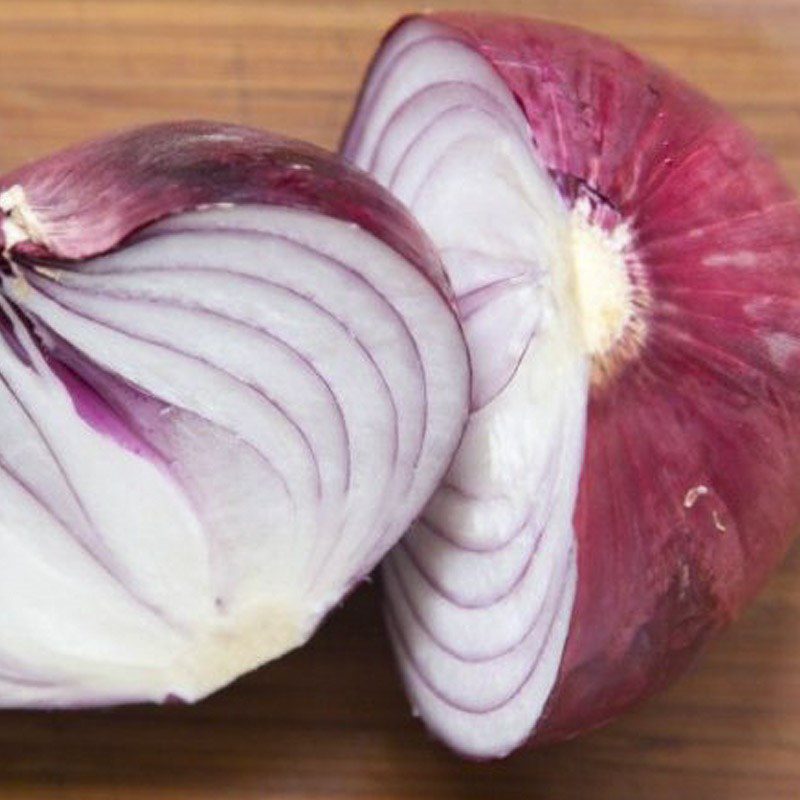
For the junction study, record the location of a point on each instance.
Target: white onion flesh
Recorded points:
(480, 593)
(273, 411)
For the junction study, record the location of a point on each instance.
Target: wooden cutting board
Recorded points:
(331, 721)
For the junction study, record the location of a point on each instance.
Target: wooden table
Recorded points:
(330, 721)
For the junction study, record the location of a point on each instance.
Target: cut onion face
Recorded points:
(231, 377)
(626, 265)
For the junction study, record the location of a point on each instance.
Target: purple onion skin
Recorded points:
(88, 198)
(708, 401)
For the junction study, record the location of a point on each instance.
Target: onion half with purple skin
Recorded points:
(626, 263)
(230, 377)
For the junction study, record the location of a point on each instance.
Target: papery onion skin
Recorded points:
(689, 489)
(92, 268)
(88, 198)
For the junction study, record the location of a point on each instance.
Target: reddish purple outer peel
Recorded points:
(88, 198)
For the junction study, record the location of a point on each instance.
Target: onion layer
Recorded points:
(230, 378)
(627, 268)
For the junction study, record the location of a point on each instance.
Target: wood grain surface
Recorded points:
(331, 721)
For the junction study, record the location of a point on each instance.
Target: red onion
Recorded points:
(627, 267)
(230, 378)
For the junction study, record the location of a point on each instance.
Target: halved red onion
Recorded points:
(230, 377)
(627, 268)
